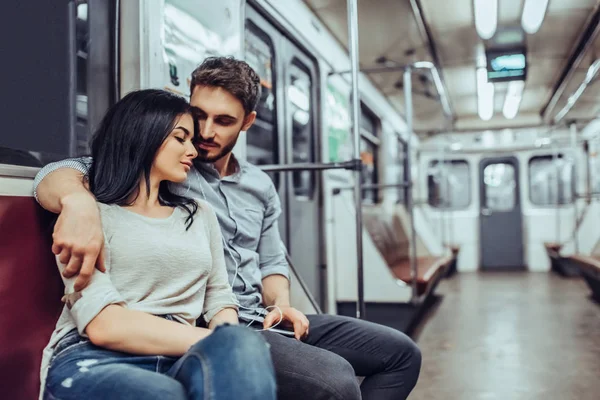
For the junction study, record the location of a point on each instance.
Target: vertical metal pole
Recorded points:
(574, 185)
(409, 201)
(588, 172)
(557, 186)
(442, 204)
(353, 44)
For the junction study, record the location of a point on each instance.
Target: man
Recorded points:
(328, 351)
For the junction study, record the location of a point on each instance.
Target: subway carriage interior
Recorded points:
(437, 164)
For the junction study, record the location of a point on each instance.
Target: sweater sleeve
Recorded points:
(81, 164)
(86, 304)
(218, 290)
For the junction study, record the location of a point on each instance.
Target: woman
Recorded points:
(131, 334)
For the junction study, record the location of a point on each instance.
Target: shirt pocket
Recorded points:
(249, 227)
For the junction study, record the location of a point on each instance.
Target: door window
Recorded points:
(262, 144)
(500, 187)
(300, 111)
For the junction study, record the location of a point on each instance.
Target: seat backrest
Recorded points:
(30, 292)
(393, 246)
(404, 225)
(596, 250)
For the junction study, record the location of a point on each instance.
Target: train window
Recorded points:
(82, 37)
(449, 184)
(551, 180)
(262, 141)
(369, 149)
(300, 110)
(500, 187)
(40, 127)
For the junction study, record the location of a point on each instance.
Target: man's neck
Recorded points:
(226, 165)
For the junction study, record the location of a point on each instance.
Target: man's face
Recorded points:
(221, 117)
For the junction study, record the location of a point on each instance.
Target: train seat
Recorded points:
(30, 292)
(389, 236)
(589, 268)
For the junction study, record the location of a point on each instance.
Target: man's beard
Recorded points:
(203, 155)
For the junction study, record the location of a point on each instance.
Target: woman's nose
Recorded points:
(191, 150)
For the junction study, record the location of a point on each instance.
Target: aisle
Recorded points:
(511, 336)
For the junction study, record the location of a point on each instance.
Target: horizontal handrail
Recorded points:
(354, 165)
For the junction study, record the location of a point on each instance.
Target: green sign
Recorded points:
(338, 125)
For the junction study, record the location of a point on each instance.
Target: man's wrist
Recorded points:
(76, 198)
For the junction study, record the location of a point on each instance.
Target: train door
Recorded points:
(285, 133)
(501, 232)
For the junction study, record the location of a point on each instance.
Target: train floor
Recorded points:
(511, 336)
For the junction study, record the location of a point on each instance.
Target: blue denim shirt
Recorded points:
(247, 207)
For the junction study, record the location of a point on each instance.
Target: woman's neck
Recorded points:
(147, 203)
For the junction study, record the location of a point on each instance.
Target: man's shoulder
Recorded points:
(257, 177)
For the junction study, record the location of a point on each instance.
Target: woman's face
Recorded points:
(174, 158)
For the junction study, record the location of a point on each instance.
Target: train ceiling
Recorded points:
(390, 33)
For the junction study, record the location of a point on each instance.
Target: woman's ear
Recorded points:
(248, 121)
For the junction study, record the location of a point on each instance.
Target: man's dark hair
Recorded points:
(234, 76)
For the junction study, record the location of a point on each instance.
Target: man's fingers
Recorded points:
(65, 255)
(269, 320)
(56, 249)
(298, 329)
(85, 274)
(73, 265)
(100, 261)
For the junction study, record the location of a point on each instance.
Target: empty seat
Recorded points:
(390, 238)
(30, 293)
(589, 268)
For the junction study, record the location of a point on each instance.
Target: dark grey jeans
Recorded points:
(337, 349)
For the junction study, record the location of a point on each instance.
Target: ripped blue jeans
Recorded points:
(231, 363)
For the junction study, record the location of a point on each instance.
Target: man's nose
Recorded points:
(207, 131)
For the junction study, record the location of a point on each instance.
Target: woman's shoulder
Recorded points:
(205, 210)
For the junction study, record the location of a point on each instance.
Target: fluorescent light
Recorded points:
(533, 15)
(485, 95)
(513, 99)
(486, 17)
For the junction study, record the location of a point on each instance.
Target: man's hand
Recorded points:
(291, 316)
(78, 238)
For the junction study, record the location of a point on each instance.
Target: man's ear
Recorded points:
(249, 120)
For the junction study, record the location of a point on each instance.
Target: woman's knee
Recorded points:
(114, 382)
(238, 359)
(237, 344)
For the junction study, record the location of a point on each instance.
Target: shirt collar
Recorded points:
(241, 167)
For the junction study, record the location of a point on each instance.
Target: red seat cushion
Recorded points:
(428, 270)
(30, 293)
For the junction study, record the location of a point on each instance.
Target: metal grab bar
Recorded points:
(435, 74)
(352, 7)
(338, 189)
(353, 165)
(303, 284)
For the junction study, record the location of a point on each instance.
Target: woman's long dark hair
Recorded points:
(125, 145)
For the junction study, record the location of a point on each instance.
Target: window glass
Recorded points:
(551, 180)
(500, 187)
(368, 155)
(449, 184)
(36, 95)
(81, 106)
(262, 142)
(300, 111)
